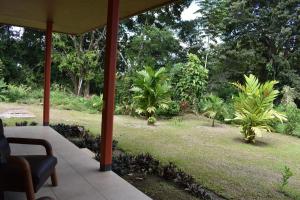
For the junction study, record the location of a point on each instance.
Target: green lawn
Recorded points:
(216, 157)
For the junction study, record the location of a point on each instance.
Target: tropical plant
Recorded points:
(286, 175)
(214, 107)
(254, 107)
(151, 91)
(190, 81)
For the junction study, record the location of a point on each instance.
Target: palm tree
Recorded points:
(214, 107)
(151, 91)
(254, 107)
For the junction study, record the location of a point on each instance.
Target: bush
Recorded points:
(151, 120)
(189, 81)
(3, 90)
(172, 110)
(293, 120)
(15, 93)
(214, 108)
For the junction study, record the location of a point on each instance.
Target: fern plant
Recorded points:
(151, 91)
(254, 107)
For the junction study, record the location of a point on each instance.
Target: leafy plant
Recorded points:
(288, 96)
(286, 175)
(151, 120)
(151, 91)
(254, 107)
(3, 90)
(190, 80)
(214, 107)
(293, 120)
(17, 92)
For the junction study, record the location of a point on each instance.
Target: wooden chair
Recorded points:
(25, 173)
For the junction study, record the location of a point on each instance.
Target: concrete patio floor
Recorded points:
(78, 174)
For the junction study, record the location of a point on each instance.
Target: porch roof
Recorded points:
(68, 16)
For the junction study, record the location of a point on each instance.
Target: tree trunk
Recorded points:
(213, 122)
(79, 86)
(86, 90)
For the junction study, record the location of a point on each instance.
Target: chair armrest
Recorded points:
(23, 165)
(20, 163)
(31, 141)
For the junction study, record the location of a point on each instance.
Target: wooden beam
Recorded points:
(47, 74)
(109, 84)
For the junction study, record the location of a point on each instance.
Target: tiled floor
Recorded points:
(78, 175)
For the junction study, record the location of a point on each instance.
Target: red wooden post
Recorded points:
(47, 74)
(109, 84)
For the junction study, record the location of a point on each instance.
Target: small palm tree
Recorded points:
(151, 91)
(254, 107)
(214, 107)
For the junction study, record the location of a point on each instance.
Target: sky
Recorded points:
(189, 14)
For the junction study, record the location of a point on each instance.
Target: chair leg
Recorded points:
(30, 192)
(1, 195)
(54, 178)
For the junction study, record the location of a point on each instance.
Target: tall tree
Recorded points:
(79, 57)
(260, 37)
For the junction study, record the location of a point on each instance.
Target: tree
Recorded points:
(151, 91)
(254, 107)
(190, 81)
(79, 57)
(153, 47)
(259, 37)
(214, 107)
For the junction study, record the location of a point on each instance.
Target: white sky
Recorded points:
(189, 14)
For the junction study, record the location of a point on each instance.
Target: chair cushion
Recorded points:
(41, 169)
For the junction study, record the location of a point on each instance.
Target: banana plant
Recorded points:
(254, 108)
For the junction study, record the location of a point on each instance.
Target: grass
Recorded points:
(216, 157)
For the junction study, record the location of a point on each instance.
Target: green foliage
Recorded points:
(172, 110)
(290, 126)
(286, 175)
(151, 120)
(17, 92)
(151, 91)
(214, 107)
(288, 96)
(190, 81)
(153, 46)
(3, 90)
(254, 107)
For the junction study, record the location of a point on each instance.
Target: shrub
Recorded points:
(190, 81)
(286, 175)
(151, 91)
(94, 102)
(172, 110)
(293, 120)
(151, 120)
(3, 89)
(213, 108)
(15, 93)
(254, 107)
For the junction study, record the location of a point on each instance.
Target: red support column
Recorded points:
(109, 84)
(47, 74)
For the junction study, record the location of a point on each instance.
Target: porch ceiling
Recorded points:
(69, 16)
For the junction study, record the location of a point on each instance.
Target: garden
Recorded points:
(206, 108)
